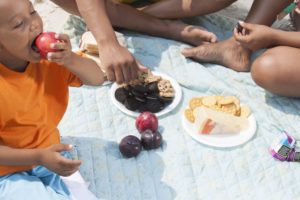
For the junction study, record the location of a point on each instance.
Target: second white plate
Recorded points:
(221, 140)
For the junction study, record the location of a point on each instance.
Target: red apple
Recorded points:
(146, 120)
(43, 42)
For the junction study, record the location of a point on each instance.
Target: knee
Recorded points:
(263, 70)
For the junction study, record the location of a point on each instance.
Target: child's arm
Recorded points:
(86, 69)
(256, 37)
(284, 38)
(11, 156)
(49, 157)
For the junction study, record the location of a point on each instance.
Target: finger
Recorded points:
(141, 67)
(126, 72)
(55, 56)
(245, 25)
(119, 75)
(69, 164)
(196, 53)
(189, 52)
(241, 38)
(63, 37)
(214, 38)
(244, 31)
(62, 147)
(134, 69)
(130, 70)
(110, 74)
(133, 72)
(59, 46)
(68, 172)
(235, 33)
(297, 10)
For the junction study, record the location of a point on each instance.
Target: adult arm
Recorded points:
(117, 61)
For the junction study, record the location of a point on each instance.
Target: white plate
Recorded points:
(221, 140)
(166, 110)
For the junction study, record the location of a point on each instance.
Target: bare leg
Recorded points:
(296, 19)
(174, 9)
(124, 16)
(277, 71)
(236, 57)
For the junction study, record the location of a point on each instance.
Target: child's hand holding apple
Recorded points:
(55, 47)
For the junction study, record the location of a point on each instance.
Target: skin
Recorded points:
(20, 24)
(174, 9)
(235, 52)
(227, 53)
(100, 16)
(276, 69)
(297, 18)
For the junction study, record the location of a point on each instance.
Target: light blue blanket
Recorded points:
(182, 168)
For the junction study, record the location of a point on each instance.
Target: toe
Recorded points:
(190, 52)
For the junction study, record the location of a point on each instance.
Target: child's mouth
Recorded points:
(34, 47)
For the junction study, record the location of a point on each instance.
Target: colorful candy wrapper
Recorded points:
(283, 148)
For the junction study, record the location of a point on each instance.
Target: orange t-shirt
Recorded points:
(32, 104)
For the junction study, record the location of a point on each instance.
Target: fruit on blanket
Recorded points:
(146, 120)
(130, 146)
(43, 42)
(151, 140)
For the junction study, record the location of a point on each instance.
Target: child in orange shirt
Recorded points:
(33, 99)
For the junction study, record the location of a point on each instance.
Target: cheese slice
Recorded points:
(209, 121)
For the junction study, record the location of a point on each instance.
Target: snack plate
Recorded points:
(169, 108)
(222, 140)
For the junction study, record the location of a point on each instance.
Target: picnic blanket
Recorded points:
(182, 168)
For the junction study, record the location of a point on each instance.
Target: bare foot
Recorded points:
(194, 35)
(227, 53)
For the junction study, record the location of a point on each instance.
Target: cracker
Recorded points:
(209, 101)
(226, 104)
(188, 113)
(229, 108)
(166, 94)
(195, 103)
(227, 100)
(245, 111)
(164, 86)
